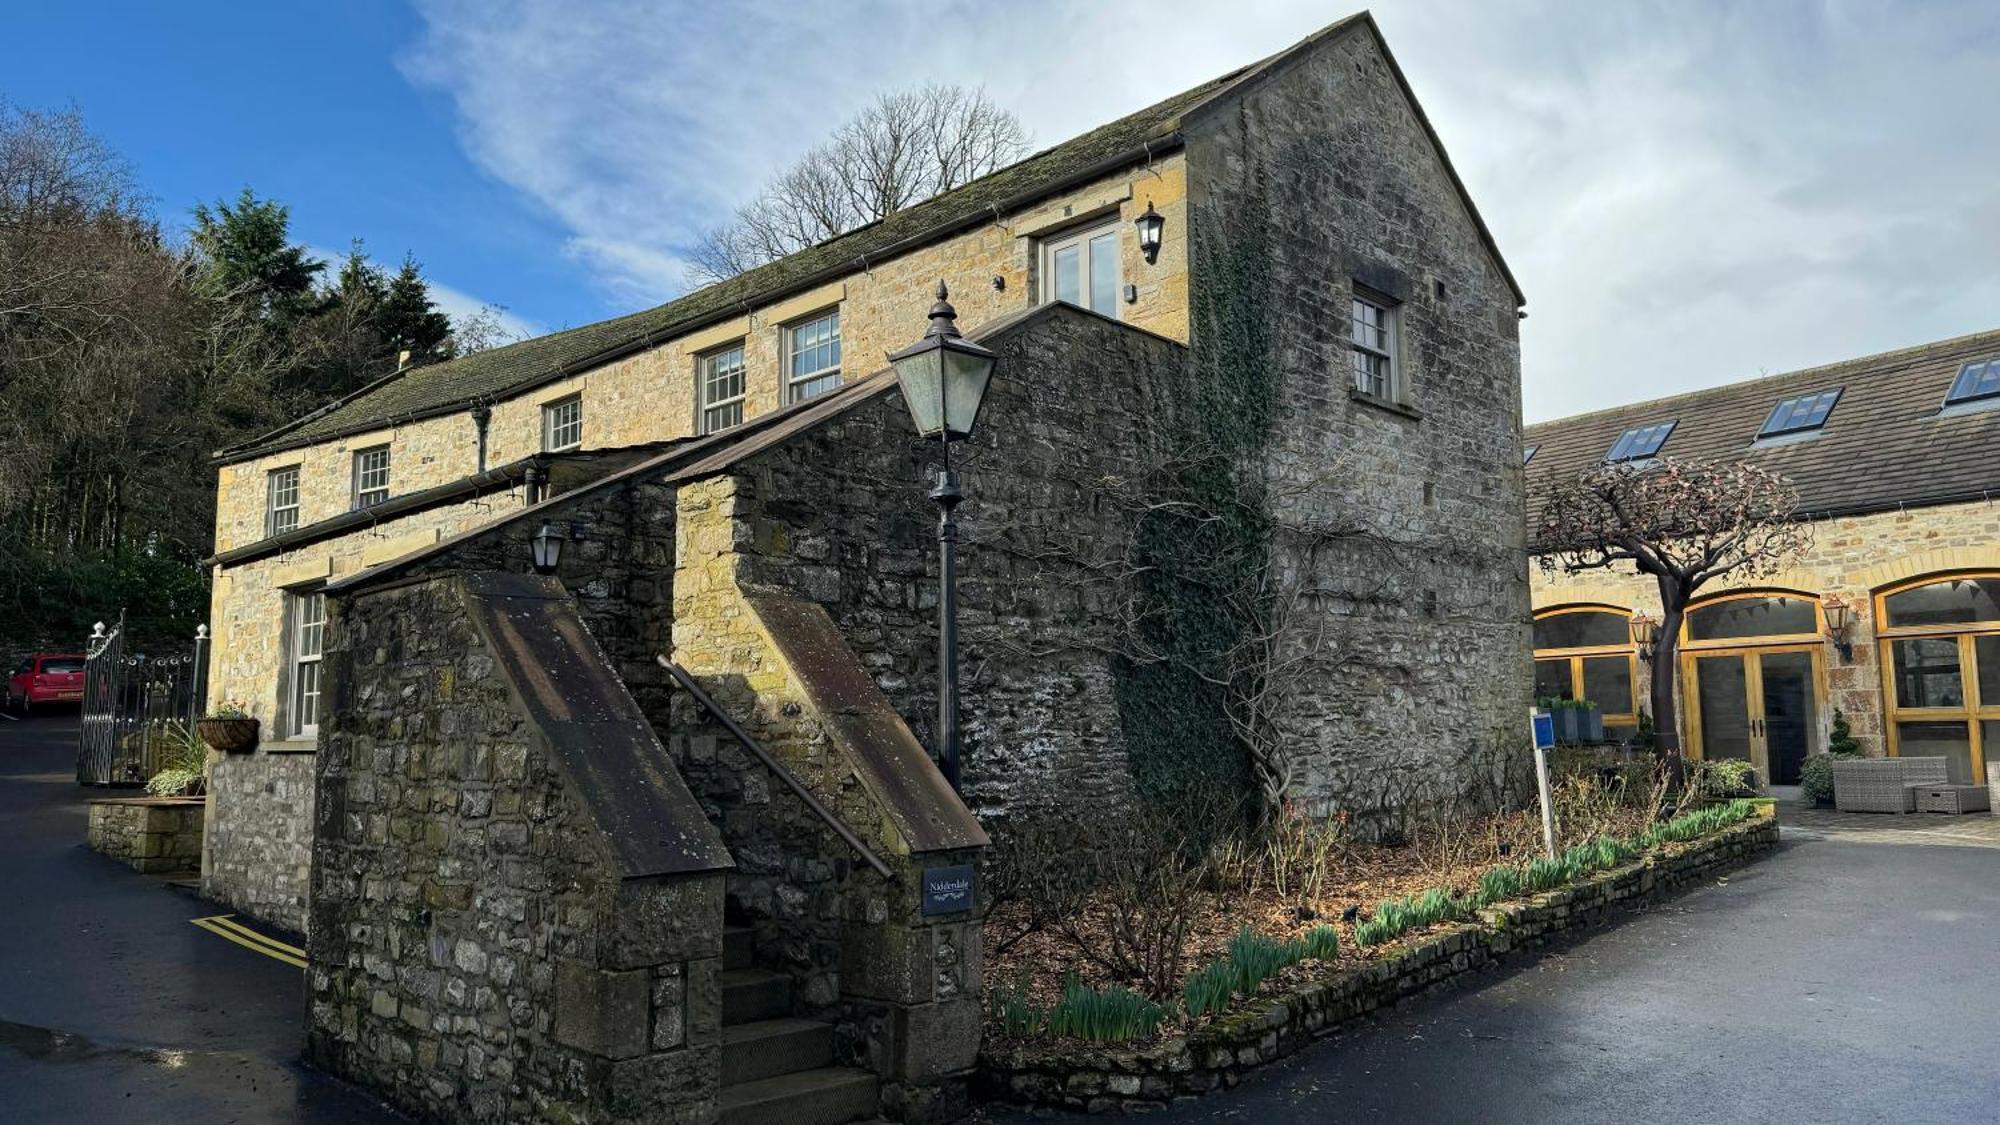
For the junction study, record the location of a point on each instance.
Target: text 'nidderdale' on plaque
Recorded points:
(947, 890)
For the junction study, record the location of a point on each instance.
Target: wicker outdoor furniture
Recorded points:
(1952, 799)
(1884, 784)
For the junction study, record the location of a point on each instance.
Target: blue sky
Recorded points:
(1691, 191)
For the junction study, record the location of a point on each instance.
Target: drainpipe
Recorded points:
(532, 480)
(482, 414)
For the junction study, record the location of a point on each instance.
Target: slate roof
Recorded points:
(446, 387)
(1888, 442)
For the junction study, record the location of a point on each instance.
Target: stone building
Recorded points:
(1320, 362)
(1891, 617)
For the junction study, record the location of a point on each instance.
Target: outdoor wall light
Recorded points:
(547, 547)
(1839, 615)
(944, 379)
(1150, 225)
(1645, 631)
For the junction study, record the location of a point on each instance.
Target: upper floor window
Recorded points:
(721, 385)
(1976, 380)
(1640, 442)
(562, 424)
(371, 476)
(1797, 415)
(281, 500)
(812, 357)
(307, 629)
(1082, 268)
(1372, 346)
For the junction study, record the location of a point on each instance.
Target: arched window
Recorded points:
(1940, 648)
(1585, 652)
(1736, 618)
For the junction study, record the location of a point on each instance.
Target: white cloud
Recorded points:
(1690, 193)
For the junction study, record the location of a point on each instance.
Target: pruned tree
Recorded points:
(904, 147)
(1685, 524)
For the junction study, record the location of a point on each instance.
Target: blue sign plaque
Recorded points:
(1545, 730)
(947, 890)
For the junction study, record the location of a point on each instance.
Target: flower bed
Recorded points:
(1074, 1074)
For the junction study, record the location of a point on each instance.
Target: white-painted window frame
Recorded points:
(710, 407)
(281, 500)
(800, 386)
(371, 480)
(1085, 240)
(562, 423)
(1374, 331)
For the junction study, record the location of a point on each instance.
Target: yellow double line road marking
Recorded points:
(225, 925)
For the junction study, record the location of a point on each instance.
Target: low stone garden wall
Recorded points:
(1100, 1078)
(157, 835)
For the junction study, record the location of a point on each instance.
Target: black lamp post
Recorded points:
(1150, 224)
(944, 378)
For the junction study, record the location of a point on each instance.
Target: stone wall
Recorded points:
(257, 851)
(1852, 557)
(1315, 180)
(483, 946)
(156, 835)
(1082, 1076)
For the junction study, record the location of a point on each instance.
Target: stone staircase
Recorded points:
(778, 1069)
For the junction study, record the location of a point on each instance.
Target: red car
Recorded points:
(46, 677)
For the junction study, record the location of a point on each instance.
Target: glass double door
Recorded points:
(1756, 705)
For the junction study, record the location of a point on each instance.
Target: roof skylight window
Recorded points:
(1803, 412)
(1639, 443)
(1976, 380)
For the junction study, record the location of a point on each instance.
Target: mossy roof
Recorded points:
(501, 372)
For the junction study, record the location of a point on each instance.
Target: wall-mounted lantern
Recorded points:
(1645, 633)
(547, 547)
(1150, 225)
(1839, 613)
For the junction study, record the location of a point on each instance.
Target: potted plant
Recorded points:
(1576, 720)
(183, 767)
(229, 728)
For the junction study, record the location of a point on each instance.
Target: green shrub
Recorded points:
(1840, 741)
(1436, 905)
(1209, 989)
(1112, 1014)
(1374, 931)
(183, 762)
(1548, 874)
(1499, 885)
(1010, 1007)
(1322, 943)
(1816, 777)
(1722, 777)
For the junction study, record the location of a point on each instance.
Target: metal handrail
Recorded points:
(825, 814)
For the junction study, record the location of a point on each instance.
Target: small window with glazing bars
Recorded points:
(371, 476)
(1640, 442)
(812, 357)
(722, 385)
(281, 506)
(1800, 413)
(562, 424)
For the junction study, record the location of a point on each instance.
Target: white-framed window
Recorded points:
(562, 424)
(812, 357)
(1082, 267)
(1372, 347)
(281, 500)
(371, 476)
(307, 630)
(720, 384)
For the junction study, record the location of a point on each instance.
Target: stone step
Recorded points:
(832, 1095)
(749, 995)
(739, 947)
(769, 1048)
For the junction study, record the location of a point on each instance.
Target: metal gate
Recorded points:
(129, 702)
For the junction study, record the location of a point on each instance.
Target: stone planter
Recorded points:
(1578, 725)
(156, 835)
(231, 736)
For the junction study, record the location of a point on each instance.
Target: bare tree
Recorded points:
(1685, 523)
(904, 147)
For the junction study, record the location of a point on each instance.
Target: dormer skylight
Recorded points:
(1799, 414)
(1528, 454)
(1639, 443)
(1976, 380)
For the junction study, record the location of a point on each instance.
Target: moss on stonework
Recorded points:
(1203, 552)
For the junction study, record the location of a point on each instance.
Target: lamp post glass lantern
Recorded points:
(944, 378)
(546, 545)
(1645, 630)
(1150, 224)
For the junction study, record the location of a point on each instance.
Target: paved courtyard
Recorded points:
(1847, 978)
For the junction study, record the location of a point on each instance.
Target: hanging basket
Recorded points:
(231, 736)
